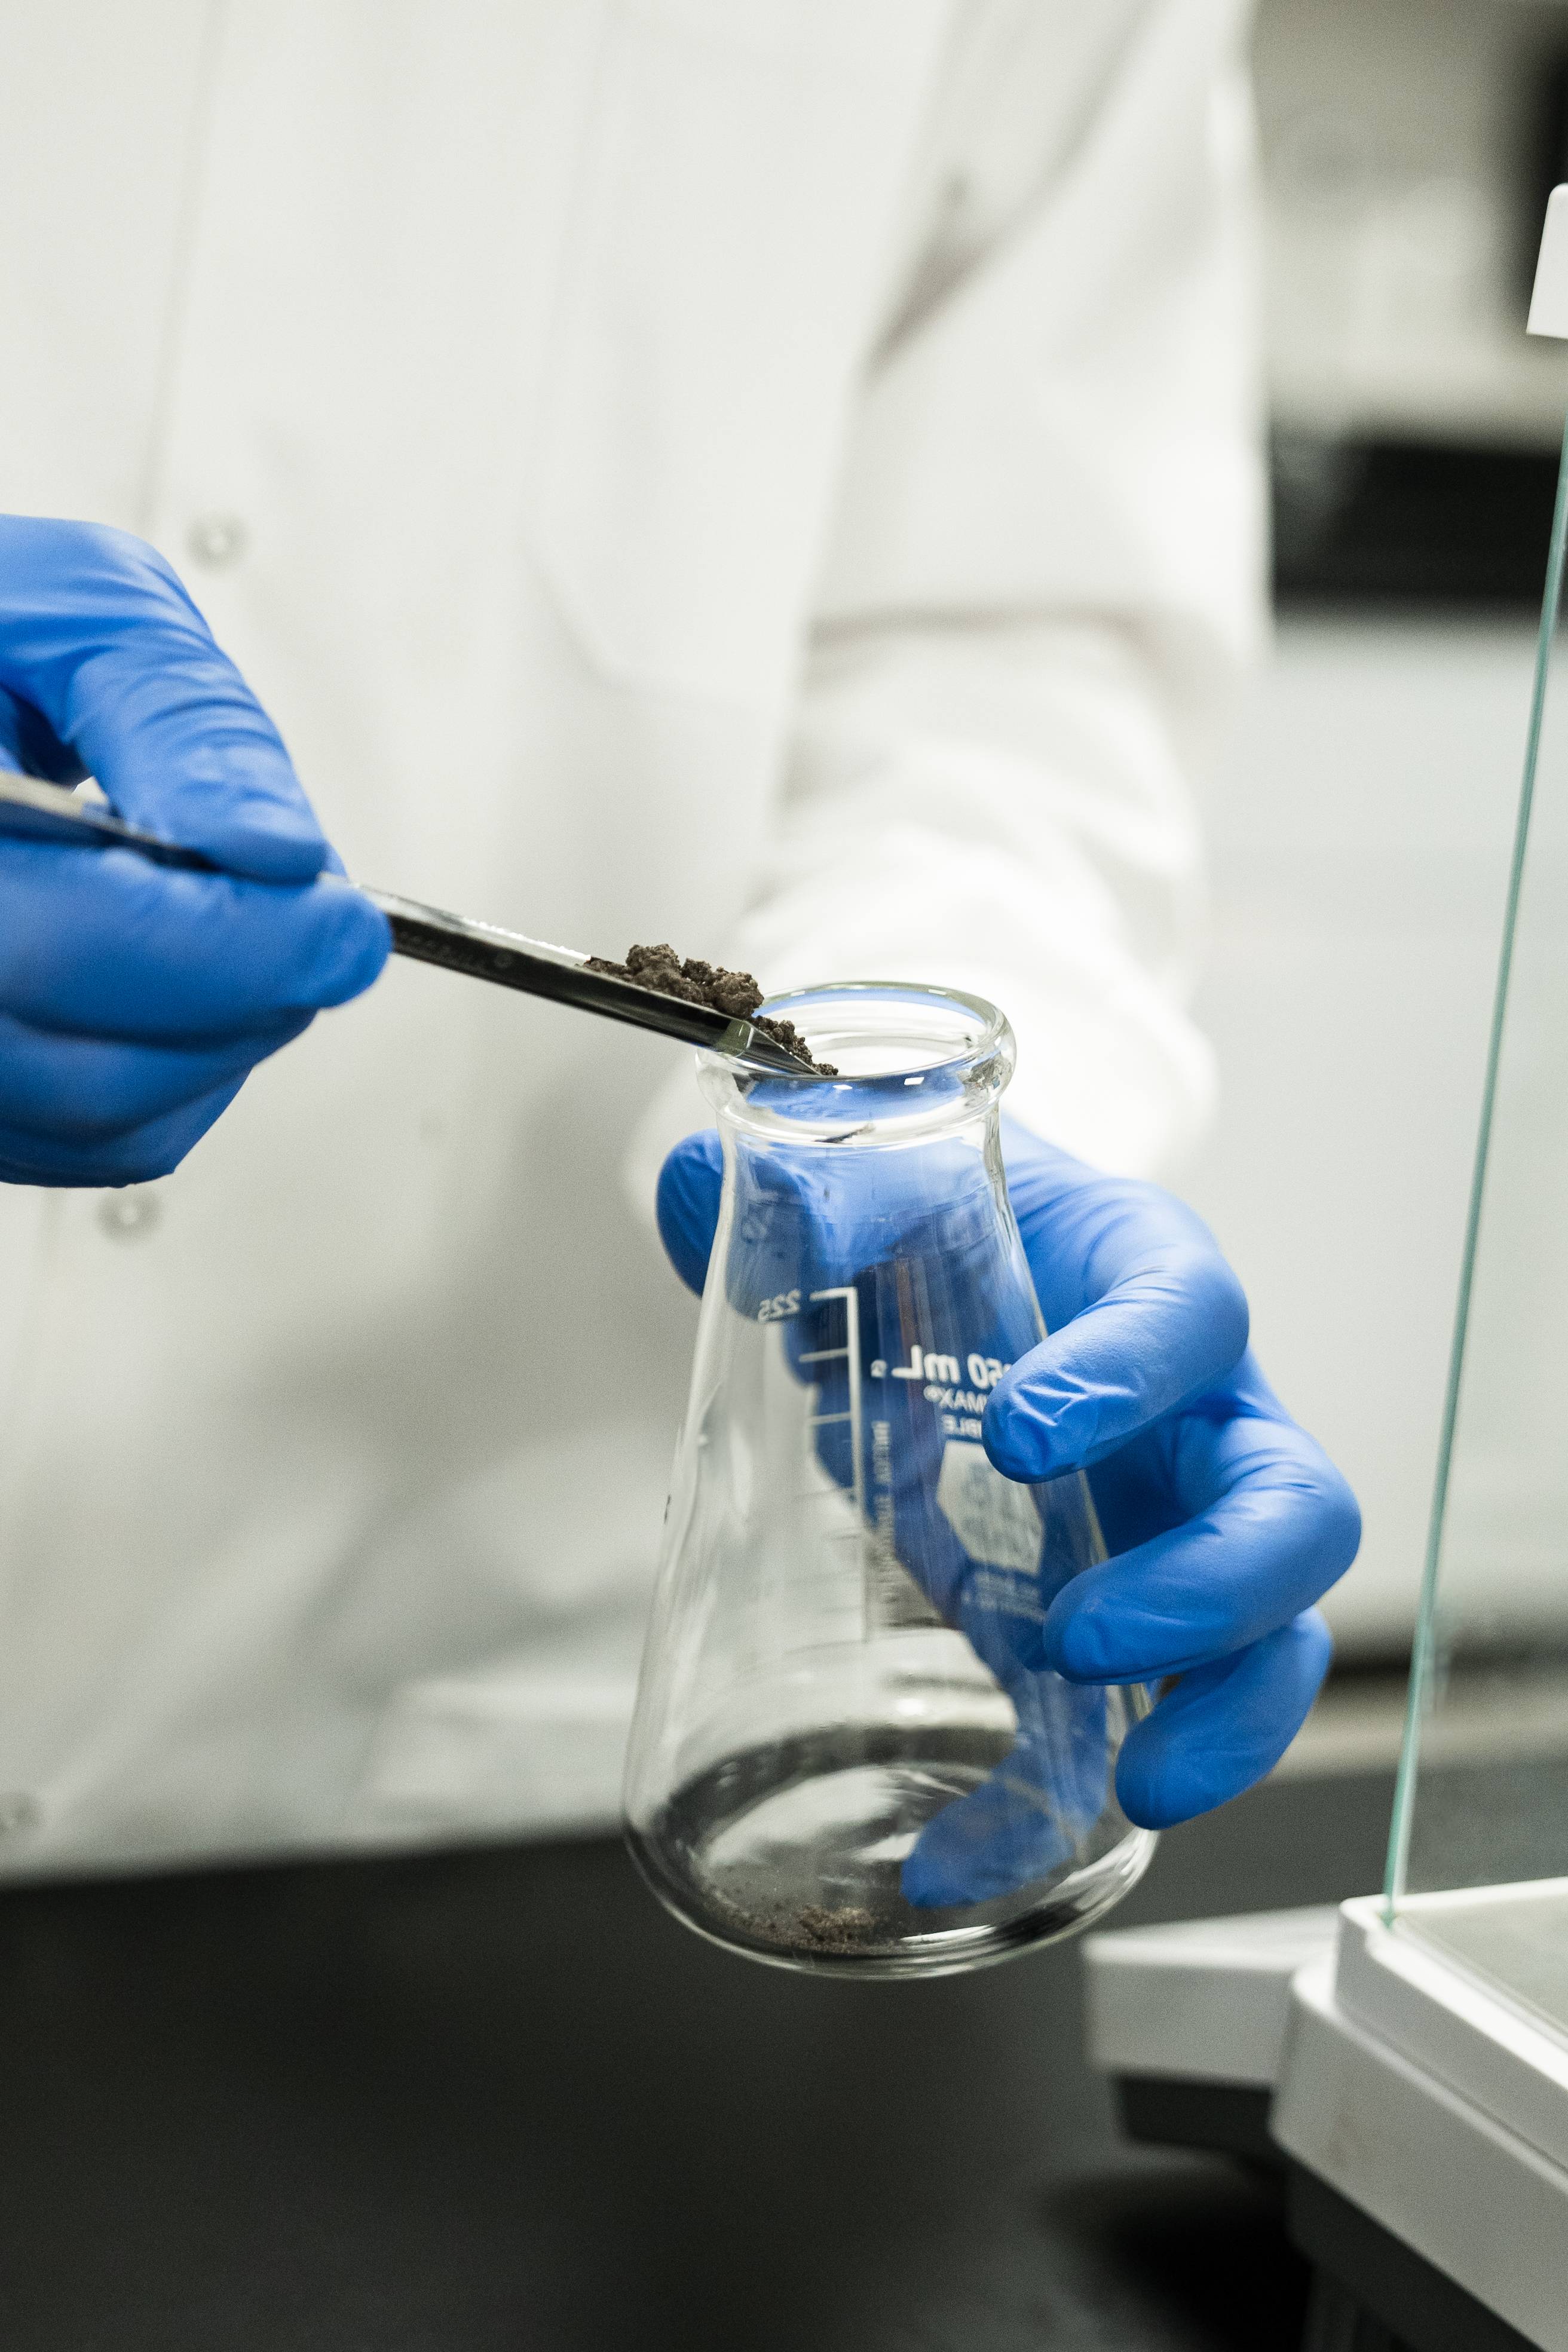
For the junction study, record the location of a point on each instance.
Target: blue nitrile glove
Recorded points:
(134, 998)
(1224, 1520)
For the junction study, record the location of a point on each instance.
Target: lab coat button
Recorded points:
(216, 539)
(18, 1812)
(131, 1213)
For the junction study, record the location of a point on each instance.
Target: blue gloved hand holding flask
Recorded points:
(1224, 1520)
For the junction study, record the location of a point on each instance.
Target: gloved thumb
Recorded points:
(98, 637)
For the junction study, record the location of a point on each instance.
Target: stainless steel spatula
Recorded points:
(40, 811)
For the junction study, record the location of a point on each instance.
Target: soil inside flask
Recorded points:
(796, 1855)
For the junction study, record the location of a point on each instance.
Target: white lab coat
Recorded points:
(774, 474)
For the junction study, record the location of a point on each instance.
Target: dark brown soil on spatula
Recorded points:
(733, 993)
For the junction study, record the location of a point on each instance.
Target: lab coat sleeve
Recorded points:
(1045, 573)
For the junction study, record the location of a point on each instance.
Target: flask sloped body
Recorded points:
(848, 1751)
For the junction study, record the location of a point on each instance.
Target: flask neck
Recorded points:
(912, 1066)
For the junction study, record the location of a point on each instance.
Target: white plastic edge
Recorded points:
(1448, 2021)
(1549, 299)
(1200, 2000)
(1478, 2201)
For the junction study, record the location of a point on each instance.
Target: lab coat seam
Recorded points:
(919, 304)
(559, 293)
(181, 271)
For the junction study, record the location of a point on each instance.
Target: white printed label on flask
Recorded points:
(995, 1519)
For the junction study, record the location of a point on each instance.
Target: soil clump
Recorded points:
(733, 993)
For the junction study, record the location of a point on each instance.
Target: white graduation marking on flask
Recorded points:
(850, 1354)
(926, 1364)
(889, 1594)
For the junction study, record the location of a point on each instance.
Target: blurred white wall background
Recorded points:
(1400, 139)
(1360, 837)
(1360, 829)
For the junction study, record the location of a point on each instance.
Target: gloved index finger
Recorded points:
(1273, 1524)
(1161, 1319)
(98, 634)
(103, 943)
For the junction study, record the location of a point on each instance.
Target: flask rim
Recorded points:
(966, 1050)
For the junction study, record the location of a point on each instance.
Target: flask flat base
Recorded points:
(791, 1853)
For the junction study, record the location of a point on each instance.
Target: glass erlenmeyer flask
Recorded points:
(847, 1754)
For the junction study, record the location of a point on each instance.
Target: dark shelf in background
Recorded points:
(1410, 524)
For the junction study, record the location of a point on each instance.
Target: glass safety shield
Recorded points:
(1479, 1858)
(847, 1754)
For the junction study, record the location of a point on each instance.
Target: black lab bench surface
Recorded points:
(493, 2101)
